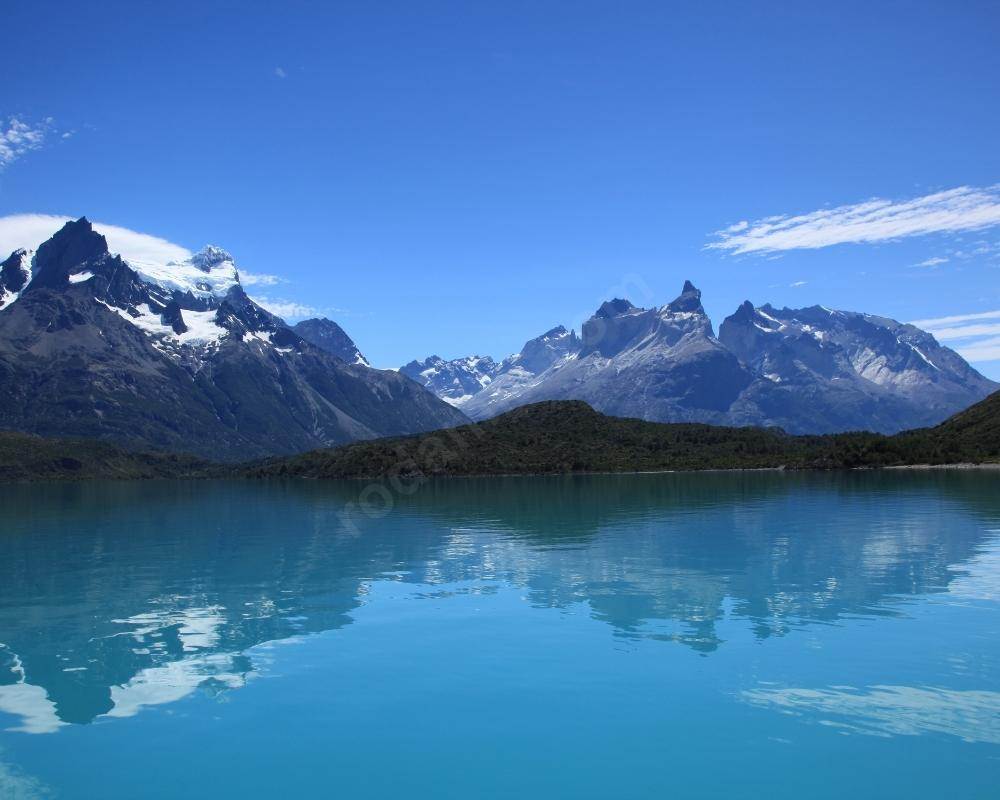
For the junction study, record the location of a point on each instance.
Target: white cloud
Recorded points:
(966, 331)
(982, 350)
(932, 262)
(966, 208)
(280, 72)
(975, 337)
(797, 284)
(286, 309)
(30, 230)
(18, 137)
(931, 324)
(258, 279)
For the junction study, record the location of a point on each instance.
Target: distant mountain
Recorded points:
(329, 336)
(807, 371)
(453, 381)
(569, 436)
(177, 357)
(816, 369)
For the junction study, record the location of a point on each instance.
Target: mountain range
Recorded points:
(809, 370)
(177, 357)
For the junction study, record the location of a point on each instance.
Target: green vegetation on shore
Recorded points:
(569, 436)
(544, 438)
(25, 457)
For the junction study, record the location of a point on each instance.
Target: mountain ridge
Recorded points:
(812, 370)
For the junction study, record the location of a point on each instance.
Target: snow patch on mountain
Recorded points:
(202, 326)
(15, 275)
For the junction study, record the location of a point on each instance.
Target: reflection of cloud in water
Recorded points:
(15, 785)
(980, 578)
(169, 680)
(174, 681)
(973, 716)
(32, 704)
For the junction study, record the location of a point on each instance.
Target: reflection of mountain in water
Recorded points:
(115, 597)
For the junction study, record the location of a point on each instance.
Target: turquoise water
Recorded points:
(722, 635)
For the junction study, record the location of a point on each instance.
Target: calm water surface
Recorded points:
(737, 636)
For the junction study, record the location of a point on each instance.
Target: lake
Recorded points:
(715, 635)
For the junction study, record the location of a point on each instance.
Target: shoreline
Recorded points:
(958, 467)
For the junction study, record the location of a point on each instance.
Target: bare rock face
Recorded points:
(176, 356)
(818, 370)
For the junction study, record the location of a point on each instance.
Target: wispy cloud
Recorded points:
(797, 284)
(280, 72)
(18, 137)
(965, 208)
(286, 309)
(936, 261)
(259, 279)
(975, 337)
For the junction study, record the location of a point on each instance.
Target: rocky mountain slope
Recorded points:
(176, 356)
(808, 371)
(329, 336)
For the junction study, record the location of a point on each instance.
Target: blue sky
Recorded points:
(454, 178)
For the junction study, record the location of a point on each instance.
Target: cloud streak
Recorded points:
(965, 208)
(286, 309)
(975, 337)
(18, 137)
(936, 261)
(259, 279)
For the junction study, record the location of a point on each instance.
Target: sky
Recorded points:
(456, 178)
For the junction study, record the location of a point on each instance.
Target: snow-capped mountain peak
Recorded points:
(206, 275)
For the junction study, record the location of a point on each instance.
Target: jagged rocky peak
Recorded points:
(616, 308)
(543, 351)
(688, 302)
(74, 244)
(329, 336)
